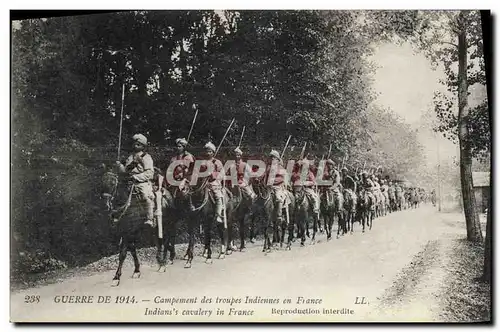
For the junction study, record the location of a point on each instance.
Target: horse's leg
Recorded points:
(315, 223)
(170, 236)
(244, 221)
(208, 238)
(137, 265)
(121, 259)
(160, 256)
(191, 223)
(223, 237)
(291, 226)
(363, 219)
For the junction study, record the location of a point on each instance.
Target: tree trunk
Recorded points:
(487, 247)
(469, 200)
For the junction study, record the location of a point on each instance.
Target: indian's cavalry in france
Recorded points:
(275, 198)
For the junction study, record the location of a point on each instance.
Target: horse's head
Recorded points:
(109, 184)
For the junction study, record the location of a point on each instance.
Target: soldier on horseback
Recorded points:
(243, 171)
(277, 183)
(348, 183)
(308, 183)
(182, 171)
(214, 184)
(139, 169)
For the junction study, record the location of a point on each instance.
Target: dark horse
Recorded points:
(272, 227)
(303, 212)
(128, 215)
(350, 205)
(175, 207)
(366, 208)
(204, 208)
(332, 205)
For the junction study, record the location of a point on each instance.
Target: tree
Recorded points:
(452, 39)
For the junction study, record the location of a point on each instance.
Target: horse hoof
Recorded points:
(242, 249)
(328, 238)
(302, 244)
(185, 257)
(229, 252)
(136, 275)
(252, 240)
(289, 247)
(268, 250)
(222, 256)
(208, 261)
(187, 265)
(170, 262)
(115, 283)
(162, 269)
(233, 248)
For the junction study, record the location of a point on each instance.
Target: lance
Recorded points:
(121, 122)
(224, 137)
(159, 217)
(303, 151)
(329, 150)
(343, 160)
(241, 138)
(364, 165)
(192, 125)
(286, 145)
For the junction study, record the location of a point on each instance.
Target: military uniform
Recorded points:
(308, 183)
(183, 171)
(277, 183)
(214, 184)
(139, 167)
(349, 187)
(243, 171)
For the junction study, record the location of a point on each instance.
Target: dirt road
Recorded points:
(388, 273)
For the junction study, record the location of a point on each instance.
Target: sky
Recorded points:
(405, 82)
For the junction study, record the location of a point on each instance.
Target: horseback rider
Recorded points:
(140, 171)
(276, 182)
(182, 171)
(214, 184)
(348, 183)
(309, 183)
(242, 171)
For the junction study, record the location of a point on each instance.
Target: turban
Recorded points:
(343, 169)
(140, 138)
(181, 141)
(210, 146)
(274, 154)
(238, 150)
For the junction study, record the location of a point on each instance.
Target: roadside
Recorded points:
(441, 284)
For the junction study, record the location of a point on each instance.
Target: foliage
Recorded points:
(302, 73)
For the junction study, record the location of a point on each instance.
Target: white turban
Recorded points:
(238, 150)
(210, 146)
(140, 138)
(275, 154)
(181, 141)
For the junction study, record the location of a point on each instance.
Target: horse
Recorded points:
(272, 227)
(205, 208)
(303, 212)
(391, 194)
(400, 200)
(332, 207)
(350, 205)
(175, 205)
(128, 212)
(245, 213)
(366, 208)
